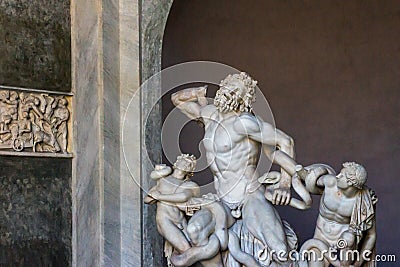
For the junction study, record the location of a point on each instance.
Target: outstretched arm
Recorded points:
(178, 197)
(190, 101)
(314, 176)
(277, 146)
(173, 198)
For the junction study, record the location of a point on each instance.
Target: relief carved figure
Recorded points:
(59, 122)
(33, 121)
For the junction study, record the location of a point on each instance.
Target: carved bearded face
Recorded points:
(236, 93)
(230, 97)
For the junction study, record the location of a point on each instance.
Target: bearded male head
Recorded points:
(236, 93)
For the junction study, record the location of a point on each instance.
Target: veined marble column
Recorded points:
(116, 44)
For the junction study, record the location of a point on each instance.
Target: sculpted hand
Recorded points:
(281, 195)
(201, 96)
(149, 200)
(155, 194)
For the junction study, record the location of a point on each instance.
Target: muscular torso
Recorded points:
(232, 157)
(334, 215)
(169, 211)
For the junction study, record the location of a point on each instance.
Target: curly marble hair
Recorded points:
(358, 175)
(237, 102)
(190, 163)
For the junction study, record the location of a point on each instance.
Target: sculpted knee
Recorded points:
(197, 233)
(193, 231)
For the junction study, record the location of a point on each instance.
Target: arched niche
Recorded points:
(111, 59)
(331, 78)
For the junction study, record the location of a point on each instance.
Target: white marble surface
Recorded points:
(110, 223)
(87, 184)
(131, 241)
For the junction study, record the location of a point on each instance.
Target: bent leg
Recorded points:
(200, 227)
(238, 254)
(173, 235)
(263, 221)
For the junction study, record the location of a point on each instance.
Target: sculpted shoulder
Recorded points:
(246, 123)
(194, 187)
(329, 180)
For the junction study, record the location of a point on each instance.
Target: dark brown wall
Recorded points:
(331, 73)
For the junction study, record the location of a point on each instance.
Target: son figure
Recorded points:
(346, 218)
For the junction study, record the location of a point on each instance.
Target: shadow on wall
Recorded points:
(331, 73)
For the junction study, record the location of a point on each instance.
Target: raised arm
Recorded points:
(315, 176)
(190, 101)
(327, 180)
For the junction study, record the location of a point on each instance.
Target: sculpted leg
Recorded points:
(263, 221)
(200, 227)
(238, 254)
(206, 245)
(173, 235)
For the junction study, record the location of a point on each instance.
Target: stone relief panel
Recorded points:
(34, 122)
